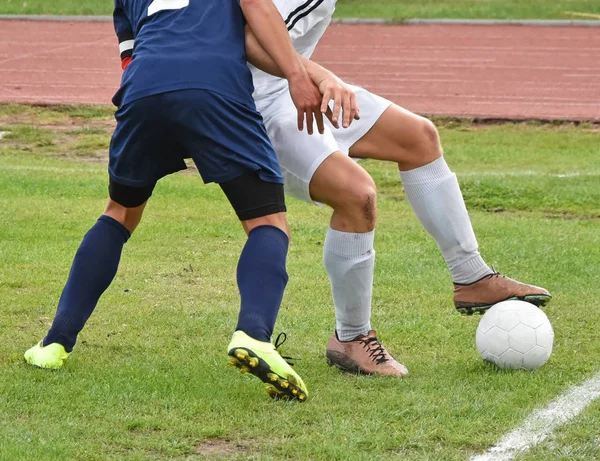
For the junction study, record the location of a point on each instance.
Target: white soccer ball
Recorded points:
(515, 334)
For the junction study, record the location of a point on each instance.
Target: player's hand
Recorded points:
(307, 99)
(344, 101)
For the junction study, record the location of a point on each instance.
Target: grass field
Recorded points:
(148, 380)
(394, 9)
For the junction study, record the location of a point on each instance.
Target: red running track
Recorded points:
(515, 72)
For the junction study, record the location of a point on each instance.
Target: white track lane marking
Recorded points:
(540, 424)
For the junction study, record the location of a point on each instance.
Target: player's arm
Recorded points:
(330, 86)
(124, 33)
(272, 35)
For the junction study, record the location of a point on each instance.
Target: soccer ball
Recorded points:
(515, 334)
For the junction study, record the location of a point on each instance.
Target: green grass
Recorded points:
(148, 378)
(393, 9)
(469, 9)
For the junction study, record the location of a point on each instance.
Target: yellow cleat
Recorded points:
(51, 356)
(263, 361)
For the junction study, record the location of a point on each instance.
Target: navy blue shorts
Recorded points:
(225, 139)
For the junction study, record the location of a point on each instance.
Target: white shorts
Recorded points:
(299, 153)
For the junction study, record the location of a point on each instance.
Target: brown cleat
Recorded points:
(479, 296)
(363, 355)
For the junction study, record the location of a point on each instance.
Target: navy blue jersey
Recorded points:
(182, 44)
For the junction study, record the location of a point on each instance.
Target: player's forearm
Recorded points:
(316, 72)
(272, 35)
(258, 57)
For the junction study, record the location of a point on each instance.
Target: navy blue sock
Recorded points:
(94, 267)
(262, 278)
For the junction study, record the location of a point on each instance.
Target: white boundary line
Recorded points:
(483, 22)
(540, 424)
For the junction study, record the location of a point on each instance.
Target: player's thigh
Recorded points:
(256, 202)
(372, 107)
(229, 145)
(225, 138)
(142, 149)
(400, 136)
(299, 154)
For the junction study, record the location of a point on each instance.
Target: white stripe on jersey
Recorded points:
(307, 20)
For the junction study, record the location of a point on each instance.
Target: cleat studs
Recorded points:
(241, 354)
(273, 377)
(302, 397)
(295, 391)
(273, 391)
(253, 362)
(244, 370)
(284, 384)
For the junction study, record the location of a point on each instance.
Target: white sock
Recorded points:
(350, 262)
(434, 194)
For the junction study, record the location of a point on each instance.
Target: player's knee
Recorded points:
(127, 203)
(431, 136)
(422, 148)
(427, 146)
(360, 201)
(278, 220)
(129, 217)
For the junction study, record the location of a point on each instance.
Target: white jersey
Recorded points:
(306, 21)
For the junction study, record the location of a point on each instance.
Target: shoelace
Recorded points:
(282, 338)
(495, 273)
(375, 349)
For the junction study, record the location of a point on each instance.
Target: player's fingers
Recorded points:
(300, 120)
(325, 100)
(329, 115)
(337, 102)
(309, 121)
(355, 108)
(347, 115)
(320, 123)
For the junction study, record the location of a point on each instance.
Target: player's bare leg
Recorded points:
(350, 260)
(277, 220)
(128, 217)
(433, 191)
